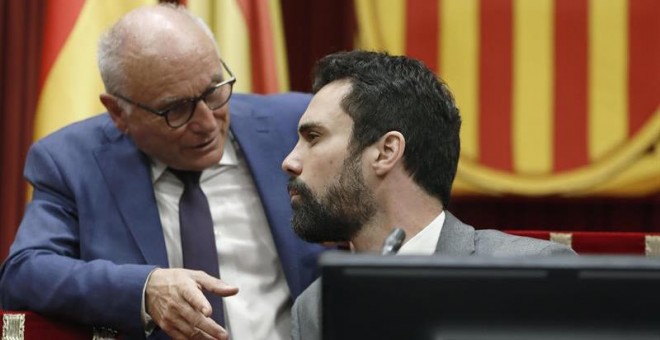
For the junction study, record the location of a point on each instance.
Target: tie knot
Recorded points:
(187, 177)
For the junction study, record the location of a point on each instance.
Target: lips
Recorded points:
(298, 192)
(204, 144)
(293, 192)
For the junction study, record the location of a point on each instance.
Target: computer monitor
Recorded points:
(440, 297)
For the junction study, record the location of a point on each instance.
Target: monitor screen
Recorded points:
(442, 298)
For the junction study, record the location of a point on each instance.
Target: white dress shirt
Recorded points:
(426, 241)
(246, 252)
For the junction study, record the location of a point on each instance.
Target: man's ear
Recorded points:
(389, 148)
(115, 110)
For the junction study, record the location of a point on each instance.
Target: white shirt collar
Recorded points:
(426, 241)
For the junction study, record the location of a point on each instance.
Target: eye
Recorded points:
(312, 136)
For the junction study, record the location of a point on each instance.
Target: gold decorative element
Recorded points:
(652, 245)
(13, 326)
(562, 238)
(475, 177)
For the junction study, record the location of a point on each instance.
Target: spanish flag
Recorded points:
(69, 79)
(558, 97)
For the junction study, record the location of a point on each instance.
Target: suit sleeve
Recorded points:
(45, 271)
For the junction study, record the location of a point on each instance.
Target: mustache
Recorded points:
(298, 185)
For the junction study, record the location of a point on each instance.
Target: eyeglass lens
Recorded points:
(181, 112)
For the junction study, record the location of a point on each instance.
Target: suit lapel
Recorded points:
(456, 238)
(127, 175)
(263, 154)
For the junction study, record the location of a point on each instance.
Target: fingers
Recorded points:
(208, 329)
(191, 324)
(195, 333)
(209, 283)
(175, 302)
(215, 285)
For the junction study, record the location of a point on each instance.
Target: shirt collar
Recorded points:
(424, 242)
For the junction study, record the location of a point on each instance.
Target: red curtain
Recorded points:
(20, 23)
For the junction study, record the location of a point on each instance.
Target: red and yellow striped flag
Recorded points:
(69, 79)
(251, 39)
(557, 96)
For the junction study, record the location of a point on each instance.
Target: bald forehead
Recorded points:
(160, 16)
(159, 45)
(155, 28)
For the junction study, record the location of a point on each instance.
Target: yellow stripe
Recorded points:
(608, 101)
(275, 11)
(459, 58)
(72, 87)
(230, 28)
(532, 83)
(382, 25)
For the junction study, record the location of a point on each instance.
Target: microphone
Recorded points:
(393, 241)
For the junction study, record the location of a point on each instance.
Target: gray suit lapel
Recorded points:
(128, 179)
(456, 238)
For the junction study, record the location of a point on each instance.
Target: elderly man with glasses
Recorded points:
(157, 218)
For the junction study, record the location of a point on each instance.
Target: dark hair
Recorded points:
(397, 93)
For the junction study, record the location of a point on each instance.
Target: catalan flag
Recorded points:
(558, 97)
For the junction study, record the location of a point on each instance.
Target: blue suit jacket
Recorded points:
(92, 232)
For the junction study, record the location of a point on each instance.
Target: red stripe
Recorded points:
(268, 52)
(423, 31)
(570, 86)
(59, 18)
(495, 85)
(644, 62)
(262, 50)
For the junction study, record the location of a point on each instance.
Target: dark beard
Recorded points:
(338, 215)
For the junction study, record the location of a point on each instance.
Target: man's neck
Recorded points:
(412, 218)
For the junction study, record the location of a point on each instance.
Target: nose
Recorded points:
(205, 119)
(291, 164)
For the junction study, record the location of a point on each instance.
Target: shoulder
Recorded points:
(495, 242)
(74, 143)
(82, 134)
(290, 103)
(458, 238)
(276, 113)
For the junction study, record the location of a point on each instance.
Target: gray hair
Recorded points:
(111, 56)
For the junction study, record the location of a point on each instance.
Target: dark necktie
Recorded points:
(197, 236)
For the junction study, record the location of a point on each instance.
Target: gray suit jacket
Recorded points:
(456, 238)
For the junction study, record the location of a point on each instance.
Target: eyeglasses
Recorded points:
(180, 112)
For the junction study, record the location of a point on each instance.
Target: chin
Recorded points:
(210, 161)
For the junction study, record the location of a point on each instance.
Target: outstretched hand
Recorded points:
(175, 301)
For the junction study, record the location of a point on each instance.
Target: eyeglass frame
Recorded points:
(202, 97)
